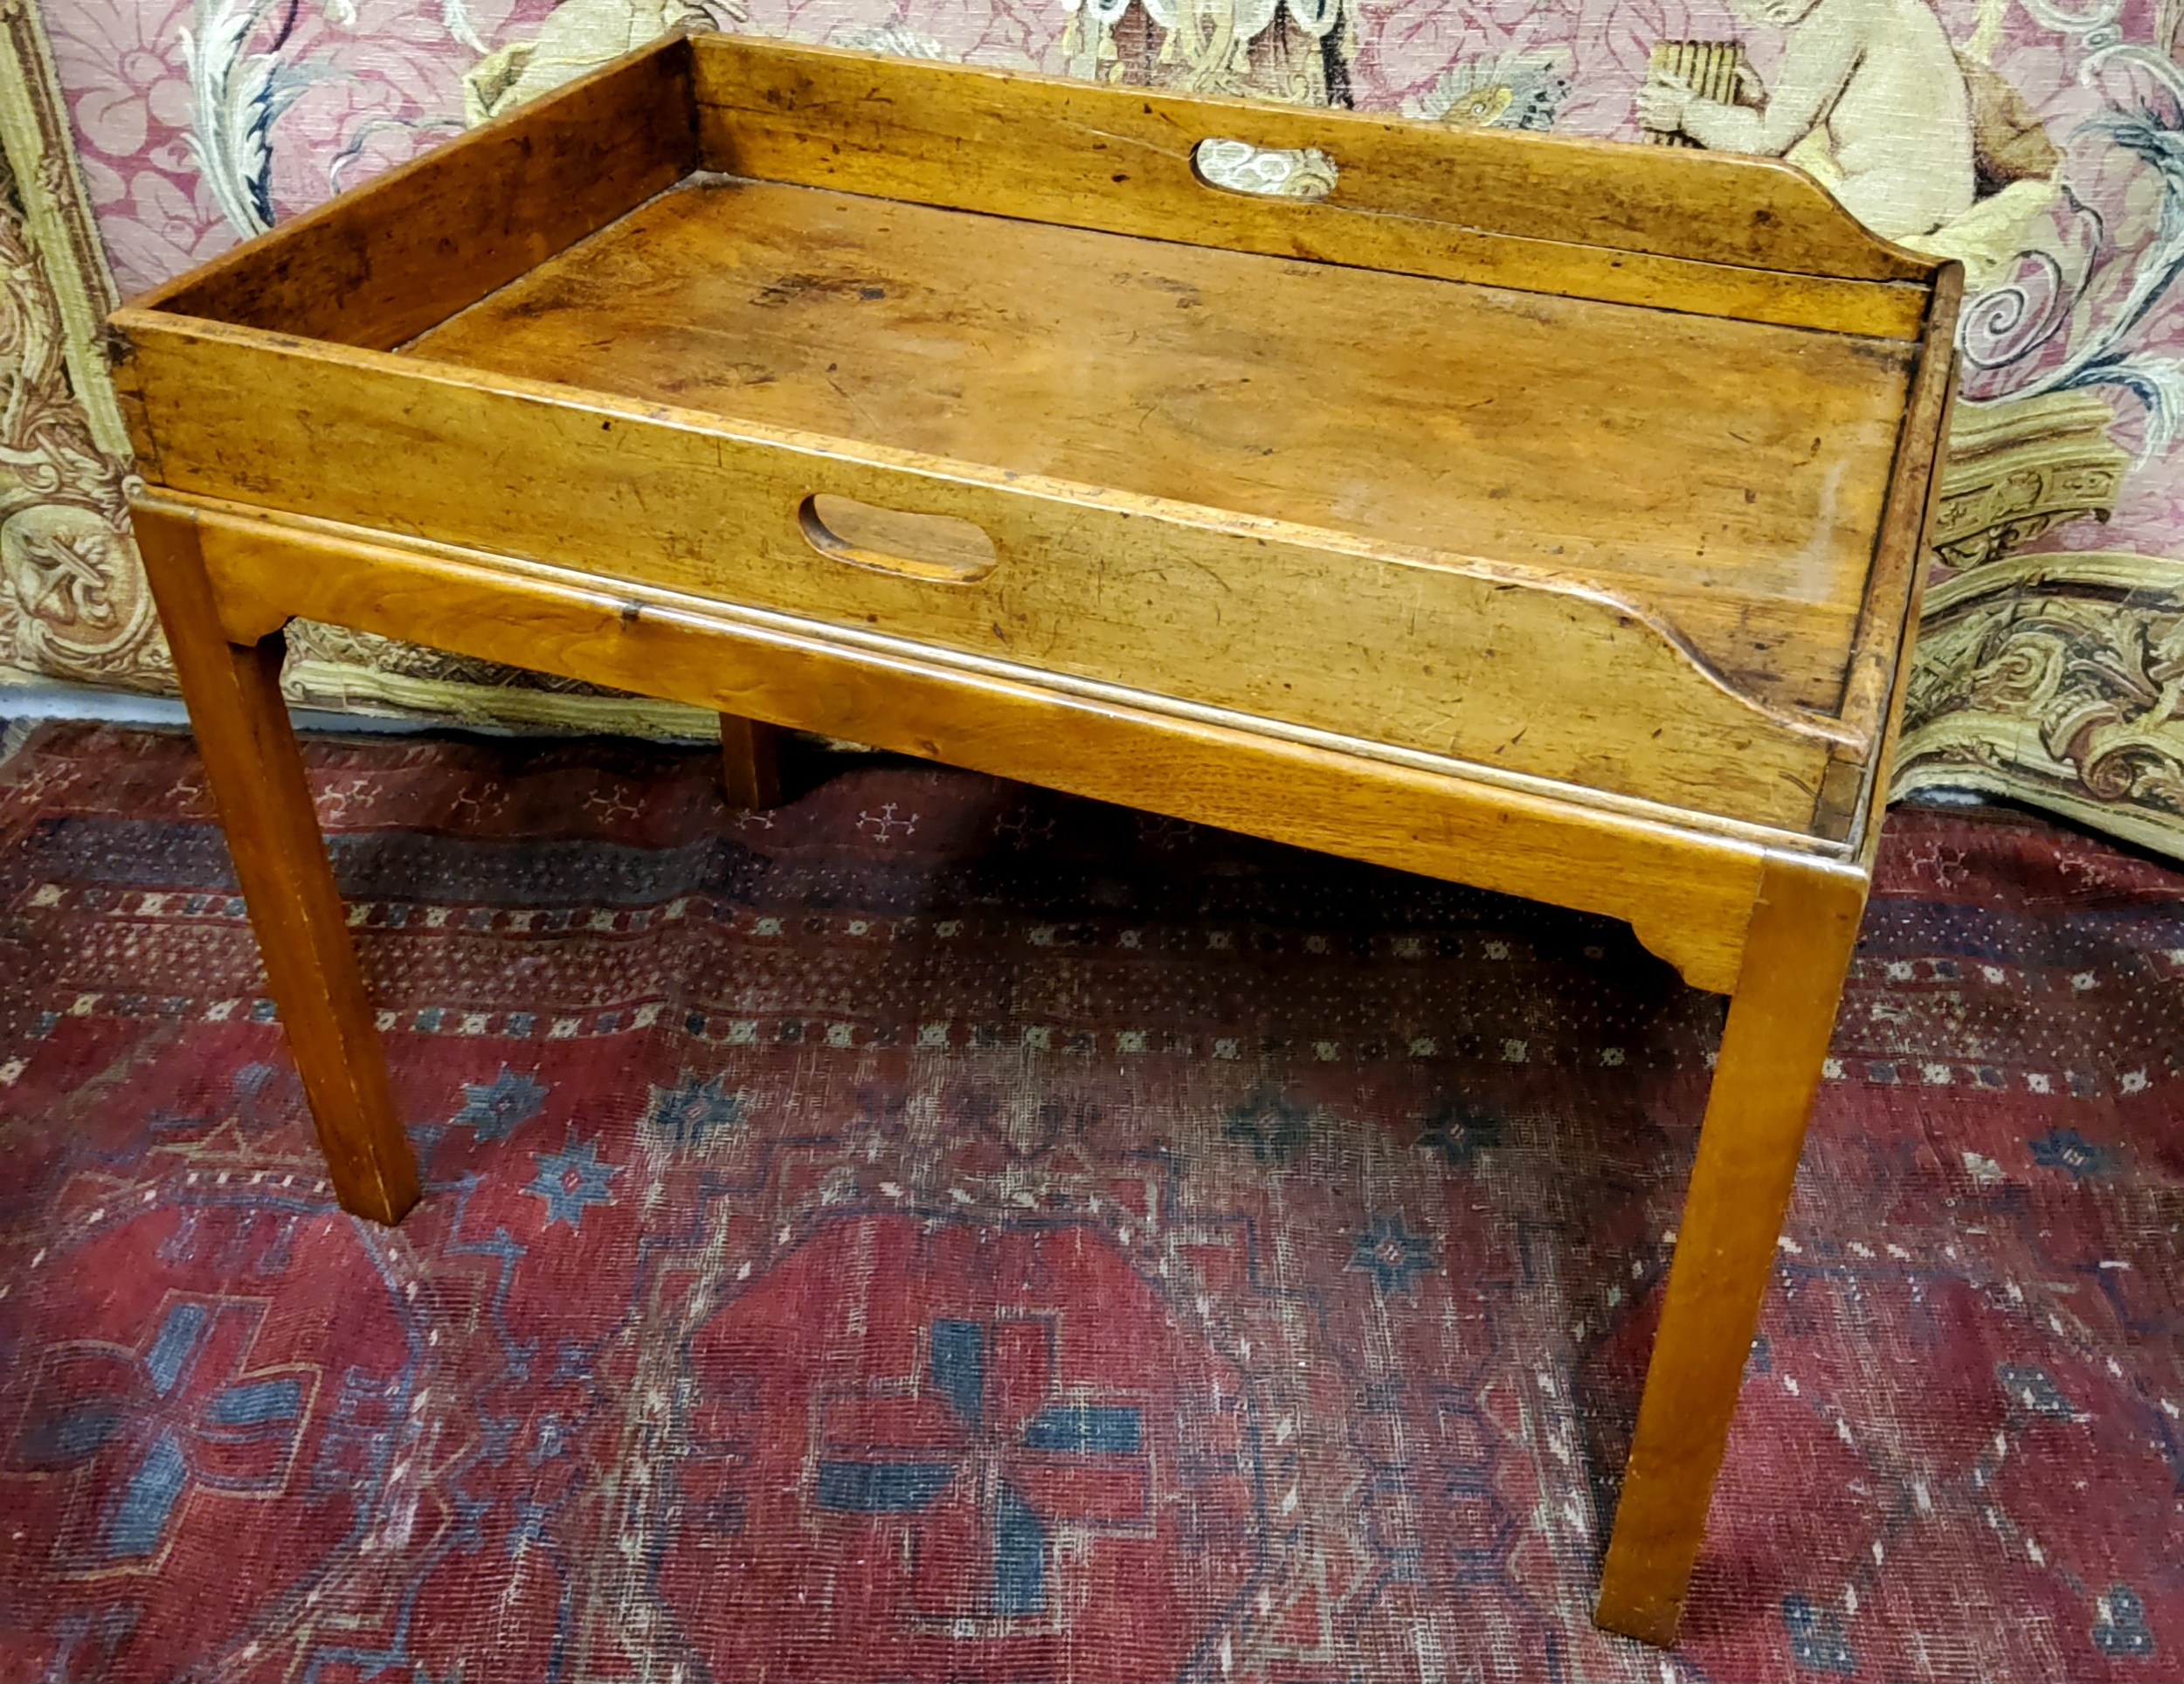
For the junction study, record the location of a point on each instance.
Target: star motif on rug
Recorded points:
(1392, 1255)
(1276, 1126)
(1458, 1132)
(2119, 1623)
(1817, 1639)
(691, 1109)
(2065, 1148)
(495, 1110)
(2035, 1389)
(571, 1180)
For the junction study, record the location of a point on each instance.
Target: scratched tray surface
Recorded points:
(1728, 475)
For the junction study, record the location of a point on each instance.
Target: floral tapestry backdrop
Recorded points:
(2042, 145)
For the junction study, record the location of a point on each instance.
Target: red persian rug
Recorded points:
(939, 1229)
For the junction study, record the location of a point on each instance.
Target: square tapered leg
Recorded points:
(1781, 1019)
(256, 772)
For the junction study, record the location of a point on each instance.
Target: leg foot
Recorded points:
(1803, 928)
(750, 771)
(233, 693)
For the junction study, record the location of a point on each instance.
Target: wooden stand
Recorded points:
(233, 693)
(750, 769)
(1797, 949)
(1696, 430)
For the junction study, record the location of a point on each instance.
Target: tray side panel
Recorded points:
(1660, 226)
(1900, 546)
(1484, 666)
(1879, 663)
(1864, 830)
(1687, 897)
(385, 261)
(1726, 475)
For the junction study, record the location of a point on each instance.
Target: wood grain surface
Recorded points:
(1701, 231)
(1544, 516)
(750, 764)
(1686, 895)
(1508, 667)
(1804, 925)
(233, 693)
(1901, 545)
(1728, 475)
(384, 262)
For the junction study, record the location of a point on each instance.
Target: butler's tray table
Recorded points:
(1541, 514)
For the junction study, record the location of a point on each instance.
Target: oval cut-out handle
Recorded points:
(938, 547)
(1304, 172)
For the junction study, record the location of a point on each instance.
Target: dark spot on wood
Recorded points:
(1894, 356)
(794, 288)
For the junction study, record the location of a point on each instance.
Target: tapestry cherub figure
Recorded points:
(1881, 79)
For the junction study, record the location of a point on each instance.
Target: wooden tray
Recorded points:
(1544, 515)
(1621, 533)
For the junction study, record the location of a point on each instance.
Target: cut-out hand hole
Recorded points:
(1303, 173)
(935, 547)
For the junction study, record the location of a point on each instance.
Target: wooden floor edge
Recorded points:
(1687, 894)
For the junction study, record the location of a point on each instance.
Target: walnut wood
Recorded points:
(1485, 661)
(1758, 455)
(234, 694)
(1707, 233)
(1687, 894)
(750, 765)
(1291, 518)
(1804, 924)
(375, 267)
